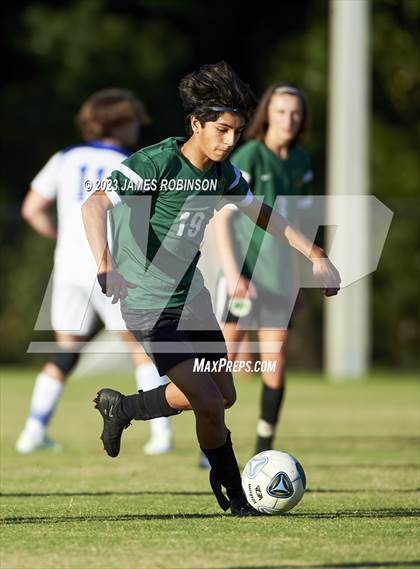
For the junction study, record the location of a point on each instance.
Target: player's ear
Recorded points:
(195, 125)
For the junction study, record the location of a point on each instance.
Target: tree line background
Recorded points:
(58, 53)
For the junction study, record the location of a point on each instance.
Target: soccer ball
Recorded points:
(273, 482)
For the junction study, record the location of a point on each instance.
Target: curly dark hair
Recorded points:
(214, 85)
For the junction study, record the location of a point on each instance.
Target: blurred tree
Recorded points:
(395, 167)
(395, 179)
(59, 52)
(303, 61)
(71, 50)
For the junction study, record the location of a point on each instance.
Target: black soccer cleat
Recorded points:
(107, 401)
(240, 507)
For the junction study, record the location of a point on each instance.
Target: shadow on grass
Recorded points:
(111, 518)
(358, 437)
(99, 494)
(413, 563)
(192, 493)
(375, 466)
(381, 514)
(359, 490)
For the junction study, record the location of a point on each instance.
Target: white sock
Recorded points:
(265, 429)
(47, 391)
(147, 377)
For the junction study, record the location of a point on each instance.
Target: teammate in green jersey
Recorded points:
(163, 196)
(277, 169)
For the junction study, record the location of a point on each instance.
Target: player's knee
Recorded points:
(230, 398)
(211, 408)
(273, 381)
(65, 360)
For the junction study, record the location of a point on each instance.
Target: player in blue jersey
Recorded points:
(109, 121)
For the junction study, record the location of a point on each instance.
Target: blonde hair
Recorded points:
(107, 109)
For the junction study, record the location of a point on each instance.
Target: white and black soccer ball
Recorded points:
(273, 482)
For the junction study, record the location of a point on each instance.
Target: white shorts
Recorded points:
(75, 308)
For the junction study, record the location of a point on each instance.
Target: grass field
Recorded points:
(80, 509)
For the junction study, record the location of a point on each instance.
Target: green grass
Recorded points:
(80, 509)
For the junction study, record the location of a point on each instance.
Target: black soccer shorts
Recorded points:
(173, 335)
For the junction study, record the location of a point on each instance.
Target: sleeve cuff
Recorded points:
(246, 201)
(114, 198)
(48, 195)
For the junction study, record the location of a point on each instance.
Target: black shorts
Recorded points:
(268, 310)
(173, 335)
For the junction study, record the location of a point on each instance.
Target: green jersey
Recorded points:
(165, 204)
(265, 258)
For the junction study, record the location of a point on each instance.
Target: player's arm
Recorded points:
(324, 271)
(237, 284)
(36, 212)
(94, 212)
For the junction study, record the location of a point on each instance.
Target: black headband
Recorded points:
(225, 109)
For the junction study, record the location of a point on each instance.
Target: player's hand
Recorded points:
(114, 285)
(326, 275)
(241, 287)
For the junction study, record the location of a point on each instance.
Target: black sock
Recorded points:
(146, 405)
(263, 443)
(225, 470)
(271, 400)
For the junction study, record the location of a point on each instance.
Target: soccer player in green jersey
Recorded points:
(277, 169)
(162, 198)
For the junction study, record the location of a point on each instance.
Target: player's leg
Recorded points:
(224, 381)
(47, 391)
(119, 410)
(273, 386)
(70, 311)
(224, 467)
(147, 377)
(146, 374)
(234, 337)
(189, 388)
(209, 395)
(194, 390)
(232, 333)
